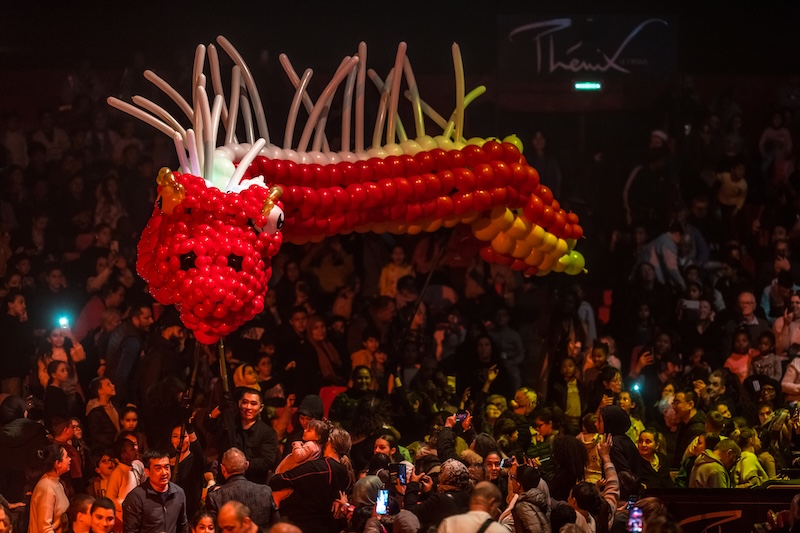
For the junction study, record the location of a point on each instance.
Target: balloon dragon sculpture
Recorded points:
(208, 246)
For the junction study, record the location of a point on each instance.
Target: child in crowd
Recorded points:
(382, 377)
(766, 362)
(590, 438)
(370, 340)
(743, 354)
(315, 437)
(631, 402)
(103, 466)
(392, 272)
(697, 367)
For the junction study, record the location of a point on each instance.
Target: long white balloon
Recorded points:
(261, 119)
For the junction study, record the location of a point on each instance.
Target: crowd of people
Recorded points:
(359, 401)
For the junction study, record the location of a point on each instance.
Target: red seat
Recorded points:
(328, 394)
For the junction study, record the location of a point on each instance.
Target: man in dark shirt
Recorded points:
(691, 422)
(157, 505)
(125, 347)
(298, 358)
(18, 346)
(258, 498)
(243, 428)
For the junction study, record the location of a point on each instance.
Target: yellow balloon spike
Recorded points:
(520, 228)
(522, 249)
(536, 236)
(503, 244)
(274, 193)
(535, 258)
(484, 229)
(513, 139)
(550, 242)
(561, 248)
(502, 217)
(171, 193)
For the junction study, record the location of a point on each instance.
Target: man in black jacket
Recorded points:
(157, 505)
(691, 422)
(258, 498)
(246, 431)
(18, 345)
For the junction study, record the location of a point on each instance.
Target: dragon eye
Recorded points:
(274, 222)
(235, 262)
(187, 260)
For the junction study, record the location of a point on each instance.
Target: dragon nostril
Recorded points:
(235, 262)
(187, 260)
(252, 224)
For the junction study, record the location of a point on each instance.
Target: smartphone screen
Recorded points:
(461, 415)
(505, 463)
(382, 504)
(635, 521)
(397, 471)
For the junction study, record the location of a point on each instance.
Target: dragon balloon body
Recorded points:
(208, 246)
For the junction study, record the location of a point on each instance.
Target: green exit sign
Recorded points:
(588, 86)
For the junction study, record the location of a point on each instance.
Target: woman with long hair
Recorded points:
(330, 361)
(570, 459)
(49, 500)
(654, 465)
(55, 401)
(62, 346)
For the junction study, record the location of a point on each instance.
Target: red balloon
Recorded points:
(559, 220)
(397, 211)
(512, 154)
(494, 150)
(545, 194)
(444, 207)
(499, 196)
(357, 195)
(488, 254)
(429, 208)
(322, 177)
(365, 172)
(463, 202)
(482, 200)
(474, 155)
(457, 159)
(572, 218)
(342, 199)
(405, 190)
(502, 173)
(426, 161)
(380, 168)
(548, 216)
(441, 161)
(411, 165)
(577, 231)
(465, 180)
(336, 176)
(395, 165)
(433, 185)
(389, 189)
(326, 201)
(447, 180)
(484, 175)
(420, 188)
(413, 212)
(350, 172)
(533, 209)
(374, 195)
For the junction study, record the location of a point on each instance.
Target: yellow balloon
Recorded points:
(485, 229)
(520, 228)
(536, 236)
(503, 244)
(477, 141)
(502, 217)
(571, 243)
(414, 229)
(562, 264)
(548, 263)
(522, 249)
(513, 139)
(549, 243)
(432, 225)
(561, 248)
(451, 221)
(535, 258)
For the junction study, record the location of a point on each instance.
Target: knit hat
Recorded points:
(615, 420)
(454, 476)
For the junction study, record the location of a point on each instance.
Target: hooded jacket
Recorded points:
(310, 405)
(624, 454)
(709, 473)
(530, 512)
